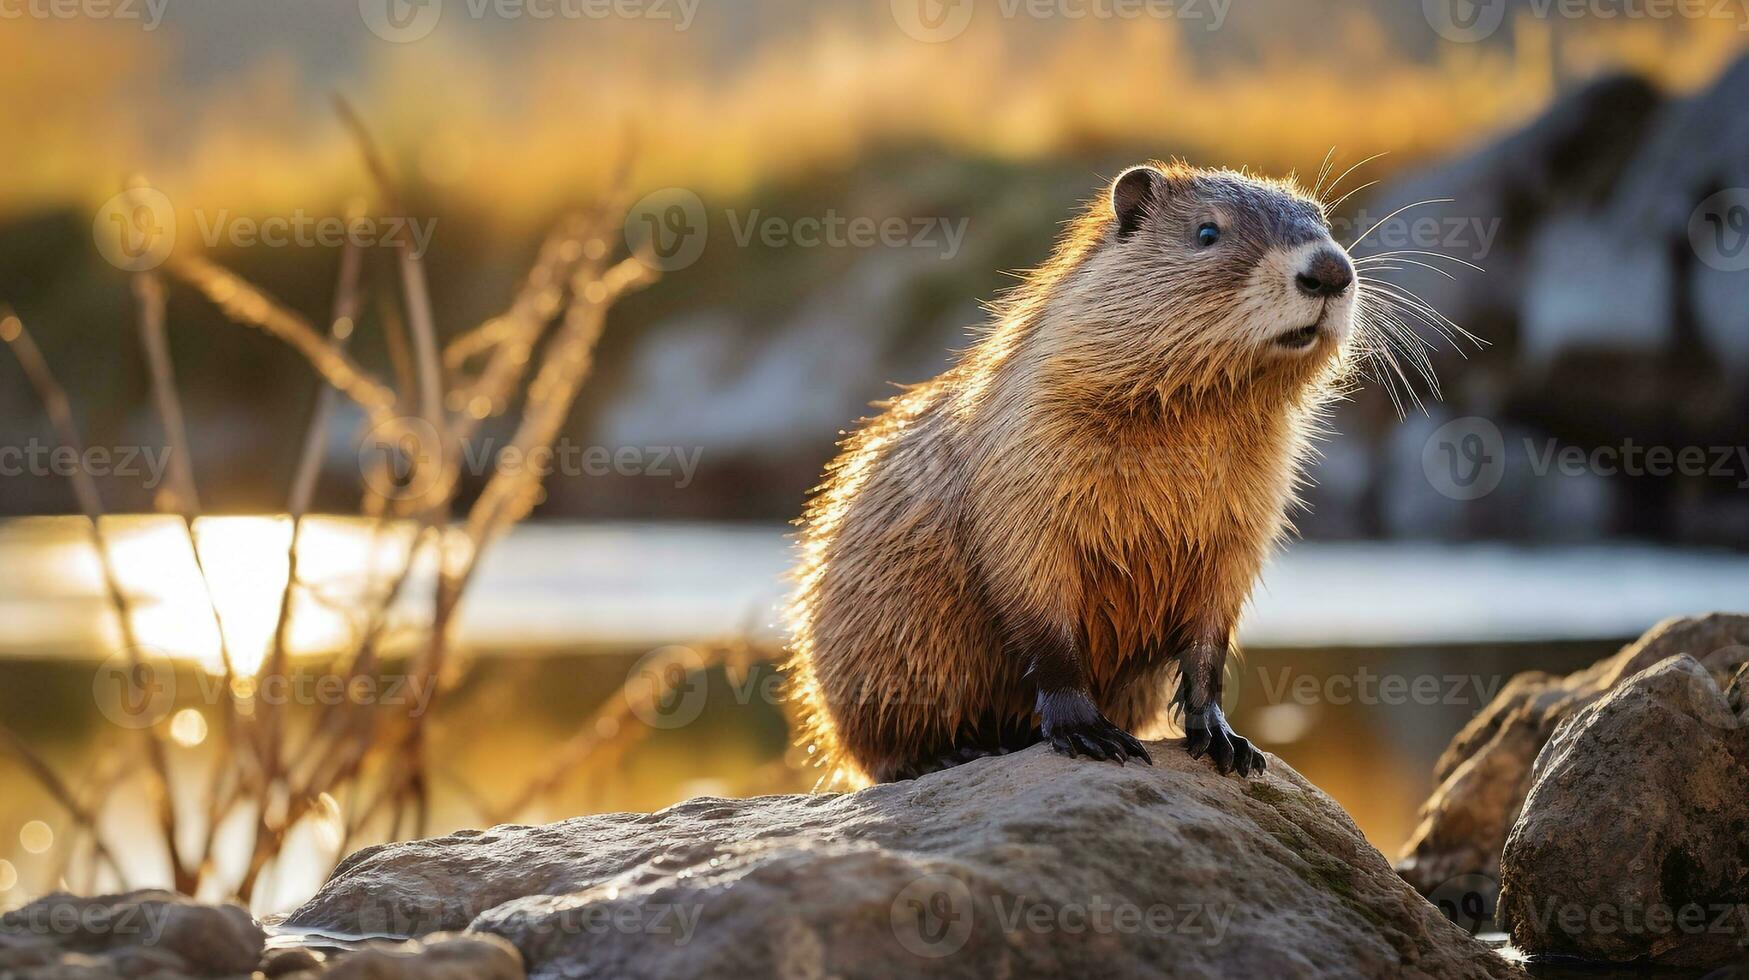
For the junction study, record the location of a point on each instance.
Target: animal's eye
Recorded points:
(1208, 234)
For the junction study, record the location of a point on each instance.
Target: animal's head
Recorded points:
(1187, 281)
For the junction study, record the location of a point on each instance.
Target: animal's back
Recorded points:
(894, 647)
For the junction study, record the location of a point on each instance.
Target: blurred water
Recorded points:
(1360, 661)
(647, 584)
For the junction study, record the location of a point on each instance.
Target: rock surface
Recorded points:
(139, 934)
(442, 956)
(1634, 841)
(157, 935)
(1485, 773)
(1029, 864)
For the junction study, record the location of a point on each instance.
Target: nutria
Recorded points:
(1020, 549)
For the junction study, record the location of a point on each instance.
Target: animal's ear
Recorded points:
(1131, 194)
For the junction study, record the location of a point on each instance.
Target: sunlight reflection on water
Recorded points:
(569, 584)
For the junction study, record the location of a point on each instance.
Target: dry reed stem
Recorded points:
(184, 501)
(275, 768)
(249, 306)
(617, 716)
(54, 400)
(416, 294)
(346, 750)
(511, 337)
(149, 294)
(510, 494)
(102, 778)
(82, 816)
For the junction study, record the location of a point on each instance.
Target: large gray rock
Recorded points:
(1485, 773)
(1025, 865)
(1633, 845)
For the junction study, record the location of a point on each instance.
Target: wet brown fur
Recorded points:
(1115, 457)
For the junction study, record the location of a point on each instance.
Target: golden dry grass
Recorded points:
(820, 94)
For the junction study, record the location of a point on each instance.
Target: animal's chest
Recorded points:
(1176, 537)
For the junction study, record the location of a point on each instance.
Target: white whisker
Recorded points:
(1393, 214)
(1338, 181)
(1423, 252)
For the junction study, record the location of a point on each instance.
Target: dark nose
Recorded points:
(1328, 274)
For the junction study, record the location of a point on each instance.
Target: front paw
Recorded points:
(1073, 726)
(1206, 730)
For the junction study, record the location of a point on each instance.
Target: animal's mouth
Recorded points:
(1299, 338)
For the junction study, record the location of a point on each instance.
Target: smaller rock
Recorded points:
(1630, 846)
(439, 956)
(285, 962)
(137, 934)
(1485, 772)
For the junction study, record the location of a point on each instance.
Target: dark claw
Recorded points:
(1097, 739)
(1133, 747)
(1221, 751)
(1197, 741)
(1207, 731)
(1092, 747)
(1244, 755)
